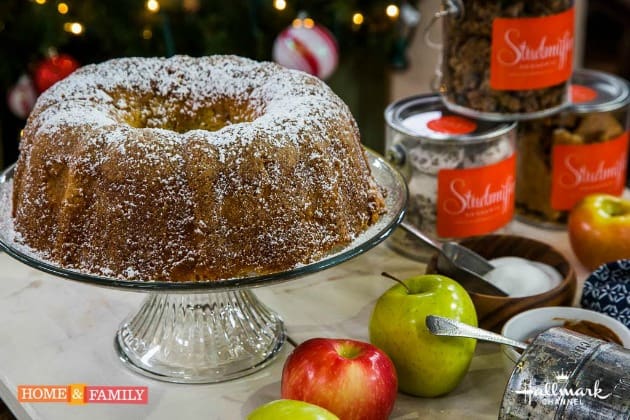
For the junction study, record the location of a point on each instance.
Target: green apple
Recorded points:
(427, 365)
(289, 410)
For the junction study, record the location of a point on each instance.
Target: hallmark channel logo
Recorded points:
(558, 393)
(79, 394)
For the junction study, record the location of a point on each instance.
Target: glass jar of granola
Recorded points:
(578, 151)
(507, 60)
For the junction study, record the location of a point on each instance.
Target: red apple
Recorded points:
(351, 379)
(599, 229)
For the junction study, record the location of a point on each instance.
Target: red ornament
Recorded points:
(53, 69)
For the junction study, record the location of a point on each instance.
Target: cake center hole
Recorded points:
(183, 117)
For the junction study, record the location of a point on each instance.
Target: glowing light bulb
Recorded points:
(309, 23)
(40, 1)
(73, 27)
(297, 23)
(62, 8)
(153, 6)
(280, 4)
(147, 33)
(357, 18)
(392, 11)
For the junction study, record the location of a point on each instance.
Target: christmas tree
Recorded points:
(43, 40)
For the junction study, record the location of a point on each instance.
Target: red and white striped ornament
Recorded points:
(308, 47)
(22, 96)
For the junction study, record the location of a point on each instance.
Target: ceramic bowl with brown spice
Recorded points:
(527, 325)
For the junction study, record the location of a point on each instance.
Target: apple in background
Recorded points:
(427, 365)
(599, 229)
(352, 379)
(290, 410)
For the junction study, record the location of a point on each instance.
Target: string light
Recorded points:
(62, 8)
(357, 18)
(392, 11)
(40, 1)
(147, 33)
(280, 4)
(307, 23)
(73, 27)
(153, 6)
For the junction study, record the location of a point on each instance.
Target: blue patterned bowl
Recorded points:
(607, 290)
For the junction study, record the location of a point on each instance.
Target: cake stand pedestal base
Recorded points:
(200, 338)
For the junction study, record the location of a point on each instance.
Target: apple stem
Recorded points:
(389, 276)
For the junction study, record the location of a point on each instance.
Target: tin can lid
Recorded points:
(426, 117)
(596, 91)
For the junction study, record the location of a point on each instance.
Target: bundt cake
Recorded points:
(185, 169)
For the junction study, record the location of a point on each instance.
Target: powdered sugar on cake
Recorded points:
(155, 168)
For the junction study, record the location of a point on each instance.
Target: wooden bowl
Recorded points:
(494, 311)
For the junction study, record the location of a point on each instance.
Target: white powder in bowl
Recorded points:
(520, 277)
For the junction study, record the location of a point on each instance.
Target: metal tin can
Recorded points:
(460, 171)
(566, 375)
(506, 60)
(578, 151)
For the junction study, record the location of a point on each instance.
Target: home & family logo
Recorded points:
(79, 394)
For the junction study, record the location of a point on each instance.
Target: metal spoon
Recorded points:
(460, 263)
(439, 325)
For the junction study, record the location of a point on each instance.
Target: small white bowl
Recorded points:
(528, 324)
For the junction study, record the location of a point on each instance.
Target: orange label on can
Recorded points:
(531, 53)
(579, 170)
(475, 201)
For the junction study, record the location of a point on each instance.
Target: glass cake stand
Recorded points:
(205, 332)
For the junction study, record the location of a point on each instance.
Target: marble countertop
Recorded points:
(54, 331)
